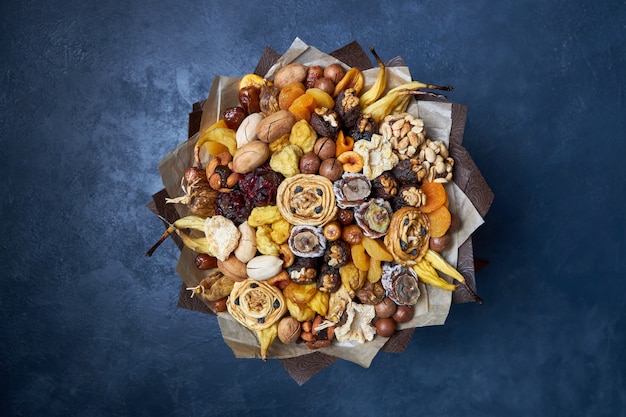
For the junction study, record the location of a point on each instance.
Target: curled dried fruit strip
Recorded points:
(256, 304)
(306, 199)
(408, 235)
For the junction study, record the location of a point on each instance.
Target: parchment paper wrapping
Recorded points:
(443, 120)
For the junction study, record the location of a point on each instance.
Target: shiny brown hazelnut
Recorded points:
(335, 72)
(345, 216)
(403, 314)
(325, 84)
(386, 308)
(331, 169)
(332, 231)
(352, 234)
(325, 148)
(289, 330)
(385, 327)
(309, 163)
(439, 244)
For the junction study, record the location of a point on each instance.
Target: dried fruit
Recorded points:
(436, 196)
(400, 283)
(440, 220)
(307, 241)
(374, 217)
(351, 190)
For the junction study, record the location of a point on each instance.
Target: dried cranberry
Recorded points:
(233, 206)
(260, 185)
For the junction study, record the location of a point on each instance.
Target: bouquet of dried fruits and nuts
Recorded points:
(318, 207)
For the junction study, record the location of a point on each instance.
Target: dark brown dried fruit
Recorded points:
(325, 122)
(364, 128)
(329, 280)
(404, 173)
(385, 186)
(337, 254)
(348, 108)
(233, 116)
(304, 270)
(249, 98)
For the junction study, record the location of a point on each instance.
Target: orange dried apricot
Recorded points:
(288, 94)
(303, 106)
(440, 221)
(436, 196)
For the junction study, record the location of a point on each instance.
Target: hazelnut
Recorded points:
(386, 308)
(309, 163)
(325, 84)
(289, 330)
(385, 327)
(325, 148)
(335, 72)
(439, 244)
(331, 169)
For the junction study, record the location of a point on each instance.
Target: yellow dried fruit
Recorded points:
(351, 278)
(264, 242)
(279, 143)
(301, 312)
(303, 135)
(287, 160)
(360, 258)
(280, 231)
(319, 303)
(300, 293)
(260, 216)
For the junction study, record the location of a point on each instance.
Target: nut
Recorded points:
(251, 156)
(233, 268)
(275, 125)
(289, 330)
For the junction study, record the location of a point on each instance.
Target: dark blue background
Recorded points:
(92, 96)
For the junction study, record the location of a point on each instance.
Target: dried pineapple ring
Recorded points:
(307, 199)
(408, 235)
(256, 304)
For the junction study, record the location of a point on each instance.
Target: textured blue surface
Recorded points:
(92, 94)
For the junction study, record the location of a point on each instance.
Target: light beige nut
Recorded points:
(233, 268)
(250, 156)
(246, 249)
(275, 125)
(246, 132)
(263, 267)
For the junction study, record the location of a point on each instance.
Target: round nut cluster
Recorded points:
(435, 163)
(405, 132)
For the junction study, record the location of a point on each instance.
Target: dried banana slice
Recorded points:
(408, 236)
(306, 199)
(256, 304)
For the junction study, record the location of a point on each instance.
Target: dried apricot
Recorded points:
(436, 196)
(288, 94)
(440, 221)
(303, 106)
